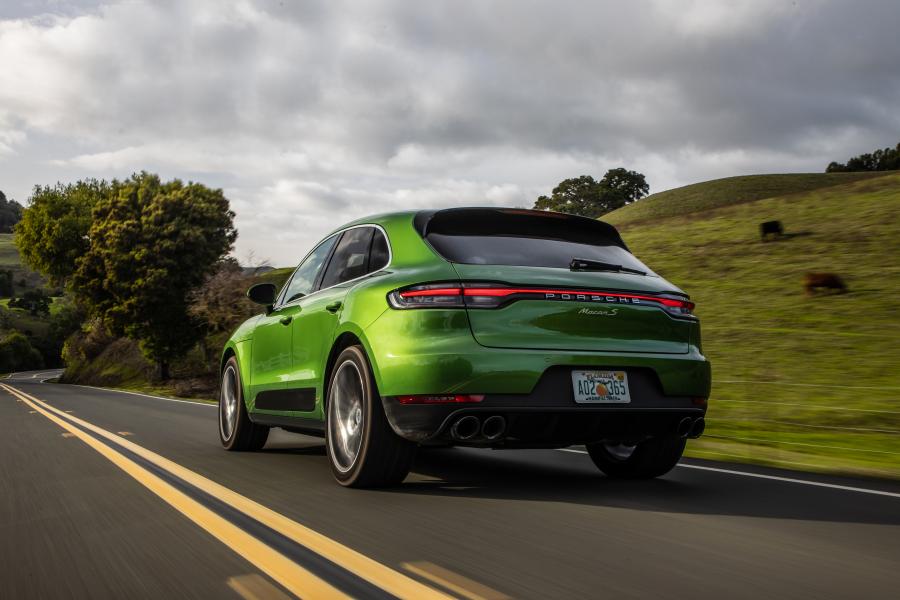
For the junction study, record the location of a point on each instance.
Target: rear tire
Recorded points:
(650, 458)
(236, 431)
(363, 450)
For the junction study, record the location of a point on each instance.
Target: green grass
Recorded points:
(276, 276)
(21, 320)
(786, 367)
(723, 192)
(10, 259)
(9, 255)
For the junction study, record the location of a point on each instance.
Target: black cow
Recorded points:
(771, 228)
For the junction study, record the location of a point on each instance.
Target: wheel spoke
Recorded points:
(345, 415)
(228, 409)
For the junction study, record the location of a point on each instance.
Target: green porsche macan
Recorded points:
(486, 327)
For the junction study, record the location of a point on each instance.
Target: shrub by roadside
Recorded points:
(93, 357)
(17, 354)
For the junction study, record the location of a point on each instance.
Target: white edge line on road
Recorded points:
(144, 395)
(821, 385)
(833, 486)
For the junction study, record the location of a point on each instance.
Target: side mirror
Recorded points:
(263, 293)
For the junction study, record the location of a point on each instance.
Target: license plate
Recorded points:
(600, 387)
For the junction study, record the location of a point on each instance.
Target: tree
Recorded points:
(10, 213)
(6, 283)
(587, 197)
(52, 234)
(34, 301)
(575, 196)
(17, 354)
(151, 243)
(887, 159)
(221, 303)
(628, 185)
(64, 321)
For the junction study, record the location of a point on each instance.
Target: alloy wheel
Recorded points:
(346, 415)
(228, 404)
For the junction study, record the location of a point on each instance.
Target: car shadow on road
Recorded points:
(311, 450)
(552, 476)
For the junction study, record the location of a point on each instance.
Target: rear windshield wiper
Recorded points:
(586, 264)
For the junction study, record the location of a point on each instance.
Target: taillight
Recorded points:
(427, 296)
(485, 295)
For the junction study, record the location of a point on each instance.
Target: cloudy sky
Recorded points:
(310, 114)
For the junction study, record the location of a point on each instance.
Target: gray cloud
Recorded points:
(312, 113)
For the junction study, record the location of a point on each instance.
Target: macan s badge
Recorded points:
(600, 313)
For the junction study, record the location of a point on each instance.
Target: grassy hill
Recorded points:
(276, 276)
(9, 256)
(19, 319)
(731, 190)
(803, 382)
(9, 259)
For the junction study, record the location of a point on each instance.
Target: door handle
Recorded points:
(333, 307)
(286, 320)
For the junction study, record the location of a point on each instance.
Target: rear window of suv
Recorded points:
(485, 236)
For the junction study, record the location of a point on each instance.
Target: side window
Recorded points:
(350, 258)
(304, 277)
(378, 257)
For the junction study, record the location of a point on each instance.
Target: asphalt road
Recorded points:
(84, 514)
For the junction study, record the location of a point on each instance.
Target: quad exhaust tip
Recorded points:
(493, 427)
(465, 428)
(684, 427)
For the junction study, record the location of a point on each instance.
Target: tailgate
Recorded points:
(559, 309)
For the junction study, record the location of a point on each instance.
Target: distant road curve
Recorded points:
(128, 495)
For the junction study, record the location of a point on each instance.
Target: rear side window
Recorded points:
(351, 257)
(522, 237)
(380, 254)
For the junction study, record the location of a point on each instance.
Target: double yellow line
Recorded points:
(282, 569)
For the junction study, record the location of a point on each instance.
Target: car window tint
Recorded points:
(527, 251)
(350, 258)
(378, 257)
(483, 236)
(304, 277)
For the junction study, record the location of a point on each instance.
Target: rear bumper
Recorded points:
(548, 416)
(433, 352)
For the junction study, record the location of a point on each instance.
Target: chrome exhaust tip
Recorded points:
(684, 427)
(697, 428)
(493, 427)
(465, 428)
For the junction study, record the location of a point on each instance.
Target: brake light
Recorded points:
(427, 296)
(440, 399)
(480, 295)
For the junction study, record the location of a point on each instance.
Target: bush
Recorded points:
(63, 324)
(6, 283)
(34, 301)
(221, 304)
(17, 354)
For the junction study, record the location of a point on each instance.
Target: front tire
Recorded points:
(645, 460)
(363, 450)
(236, 431)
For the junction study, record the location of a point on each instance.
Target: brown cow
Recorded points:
(823, 281)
